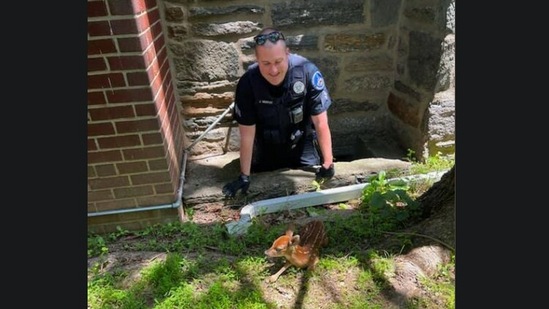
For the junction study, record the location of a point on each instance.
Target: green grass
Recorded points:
(438, 162)
(204, 267)
(234, 279)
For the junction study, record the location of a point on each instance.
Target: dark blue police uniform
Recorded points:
(285, 134)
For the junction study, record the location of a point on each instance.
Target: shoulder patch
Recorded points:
(318, 81)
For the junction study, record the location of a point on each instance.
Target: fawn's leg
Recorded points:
(274, 277)
(314, 261)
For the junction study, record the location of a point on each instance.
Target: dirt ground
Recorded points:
(423, 260)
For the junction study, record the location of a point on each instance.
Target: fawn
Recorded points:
(299, 250)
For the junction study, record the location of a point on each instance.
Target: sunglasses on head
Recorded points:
(273, 37)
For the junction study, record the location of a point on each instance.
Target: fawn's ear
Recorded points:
(290, 229)
(289, 233)
(295, 240)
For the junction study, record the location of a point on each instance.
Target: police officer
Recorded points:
(281, 105)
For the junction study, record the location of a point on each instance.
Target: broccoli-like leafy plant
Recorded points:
(387, 204)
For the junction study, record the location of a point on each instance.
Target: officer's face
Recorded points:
(273, 61)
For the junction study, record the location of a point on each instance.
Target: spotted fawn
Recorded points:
(300, 250)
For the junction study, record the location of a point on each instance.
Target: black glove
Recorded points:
(325, 173)
(242, 182)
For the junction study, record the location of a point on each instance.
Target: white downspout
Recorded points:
(179, 198)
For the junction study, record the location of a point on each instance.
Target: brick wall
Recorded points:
(135, 137)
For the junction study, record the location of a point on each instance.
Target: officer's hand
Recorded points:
(242, 182)
(325, 173)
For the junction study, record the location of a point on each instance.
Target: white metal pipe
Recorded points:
(307, 199)
(211, 126)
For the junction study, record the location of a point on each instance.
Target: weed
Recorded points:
(96, 245)
(387, 204)
(438, 162)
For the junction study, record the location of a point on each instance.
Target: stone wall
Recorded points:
(388, 65)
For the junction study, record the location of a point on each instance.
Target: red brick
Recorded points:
(138, 79)
(155, 200)
(116, 204)
(164, 67)
(108, 182)
(145, 109)
(105, 170)
(145, 21)
(148, 36)
(160, 44)
(91, 172)
(91, 207)
(149, 55)
(126, 63)
(165, 71)
(101, 46)
(91, 144)
(165, 188)
(163, 62)
(151, 3)
(152, 18)
(129, 95)
(156, 177)
(158, 165)
(135, 44)
(104, 156)
(129, 44)
(152, 139)
(96, 64)
(133, 191)
(137, 125)
(153, 70)
(144, 153)
(108, 80)
(155, 85)
(99, 28)
(156, 33)
(100, 195)
(97, 9)
(162, 111)
(106, 113)
(96, 98)
(170, 93)
(95, 129)
(127, 7)
(119, 141)
(132, 167)
(144, 217)
(165, 85)
(124, 26)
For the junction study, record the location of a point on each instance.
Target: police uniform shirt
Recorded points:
(316, 101)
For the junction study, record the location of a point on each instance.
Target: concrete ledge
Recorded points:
(205, 179)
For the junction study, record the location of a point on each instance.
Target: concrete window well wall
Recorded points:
(162, 75)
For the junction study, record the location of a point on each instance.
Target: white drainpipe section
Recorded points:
(179, 198)
(307, 199)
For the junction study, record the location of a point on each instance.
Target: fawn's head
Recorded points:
(283, 244)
